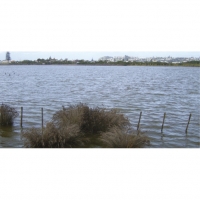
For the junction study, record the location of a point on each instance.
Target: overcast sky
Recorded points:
(119, 26)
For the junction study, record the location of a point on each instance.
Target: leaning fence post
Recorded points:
(139, 121)
(21, 117)
(163, 122)
(42, 119)
(188, 123)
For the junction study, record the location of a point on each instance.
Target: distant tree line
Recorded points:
(100, 62)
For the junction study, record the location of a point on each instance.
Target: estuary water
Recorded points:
(132, 89)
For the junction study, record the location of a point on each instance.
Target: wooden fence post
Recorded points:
(139, 121)
(42, 119)
(21, 122)
(1, 114)
(163, 122)
(188, 123)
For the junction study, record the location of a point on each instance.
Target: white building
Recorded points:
(106, 58)
(5, 62)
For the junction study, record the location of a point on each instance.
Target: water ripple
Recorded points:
(152, 90)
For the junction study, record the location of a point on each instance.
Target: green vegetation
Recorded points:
(42, 62)
(122, 63)
(79, 126)
(100, 63)
(7, 115)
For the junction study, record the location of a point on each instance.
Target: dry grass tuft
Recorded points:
(68, 116)
(90, 120)
(117, 138)
(32, 138)
(7, 115)
(98, 120)
(53, 137)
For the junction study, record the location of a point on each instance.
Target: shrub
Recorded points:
(7, 115)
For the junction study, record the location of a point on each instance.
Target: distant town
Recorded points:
(168, 59)
(108, 60)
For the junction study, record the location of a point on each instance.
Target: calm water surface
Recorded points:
(152, 90)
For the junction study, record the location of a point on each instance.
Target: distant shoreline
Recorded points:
(109, 64)
(101, 62)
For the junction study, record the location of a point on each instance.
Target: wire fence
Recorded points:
(162, 123)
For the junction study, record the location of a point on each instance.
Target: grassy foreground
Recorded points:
(79, 126)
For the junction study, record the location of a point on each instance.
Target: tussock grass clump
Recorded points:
(117, 138)
(52, 137)
(32, 138)
(98, 120)
(81, 126)
(7, 115)
(90, 120)
(68, 116)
